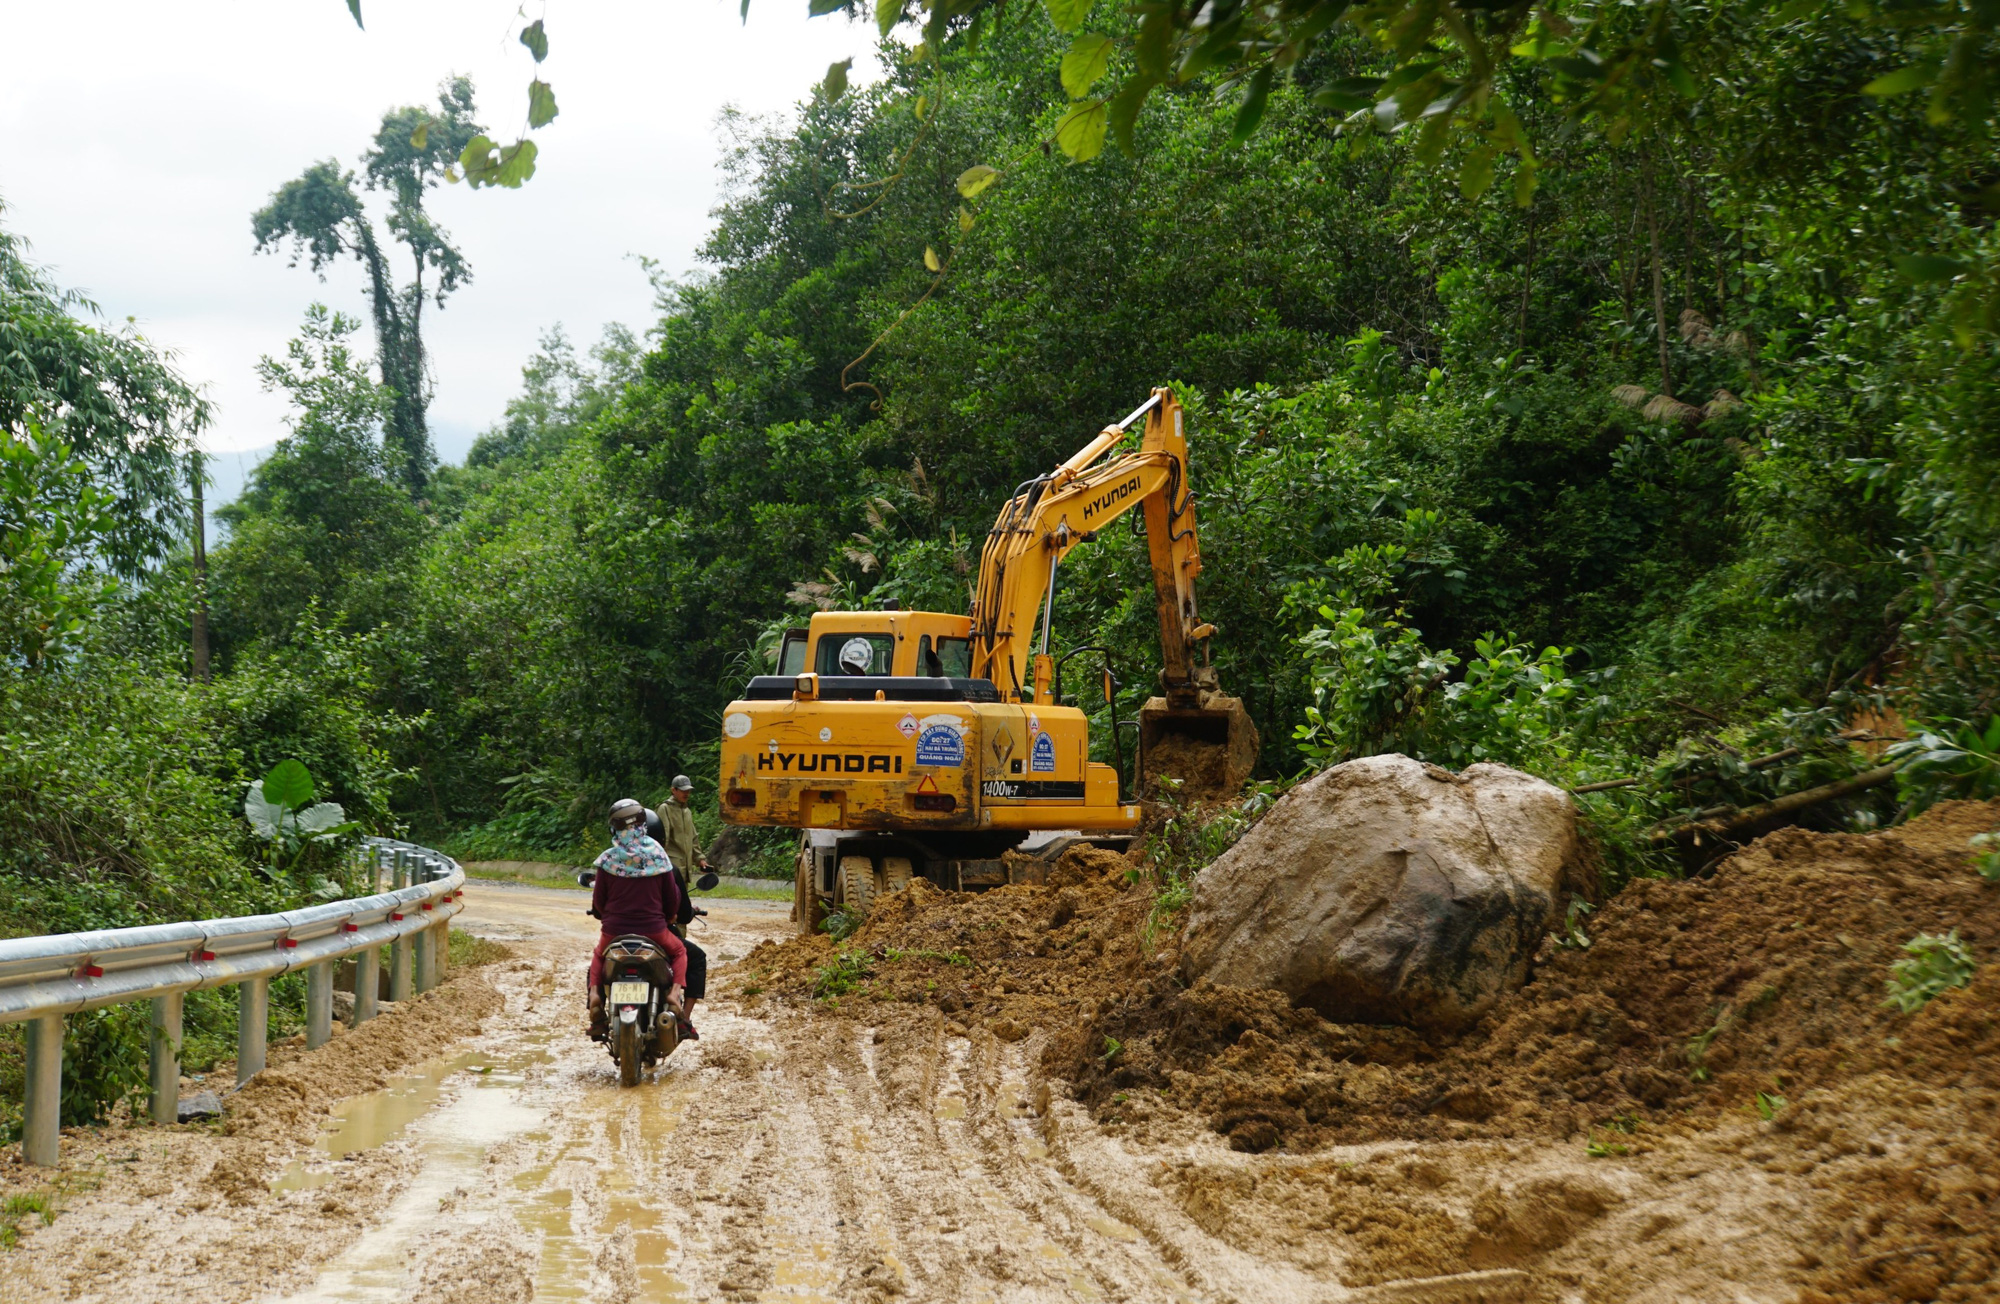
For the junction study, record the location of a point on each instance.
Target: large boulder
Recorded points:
(1388, 891)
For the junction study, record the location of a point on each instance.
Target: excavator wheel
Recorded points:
(894, 874)
(1211, 748)
(857, 883)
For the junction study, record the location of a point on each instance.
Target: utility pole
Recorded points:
(199, 619)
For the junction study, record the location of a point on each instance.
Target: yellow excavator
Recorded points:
(924, 743)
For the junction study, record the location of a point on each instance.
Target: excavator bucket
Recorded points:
(1210, 748)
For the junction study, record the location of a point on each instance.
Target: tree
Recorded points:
(322, 520)
(323, 217)
(110, 399)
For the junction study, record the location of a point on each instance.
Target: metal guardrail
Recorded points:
(43, 979)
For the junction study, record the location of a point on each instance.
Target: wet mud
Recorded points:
(1007, 1099)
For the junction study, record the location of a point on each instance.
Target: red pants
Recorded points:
(677, 955)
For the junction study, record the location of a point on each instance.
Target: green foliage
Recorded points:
(841, 924)
(53, 515)
(281, 812)
(1986, 855)
(1934, 966)
(1961, 762)
(848, 969)
(72, 392)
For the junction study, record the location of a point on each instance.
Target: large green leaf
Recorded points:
(1251, 111)
(536, 40)
(887, 14)
(1080, 134)
(1929, 267)
(835, 84)
(1902, 81)
(1124, 110)
(1476, 174)
(1068, 15)
(1088, 56)
(975, 179)
(289, 784)
(541, 104)
(354, 7)
(487, 164)
(265, 816)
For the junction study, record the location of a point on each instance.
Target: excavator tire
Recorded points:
(857, 883)
(894, 874)
(1210, 749)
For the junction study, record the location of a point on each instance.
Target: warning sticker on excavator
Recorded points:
(940, 744)
(907, 726)
(1043, 760)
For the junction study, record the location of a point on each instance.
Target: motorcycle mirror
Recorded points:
(587, 878)
(707, 881)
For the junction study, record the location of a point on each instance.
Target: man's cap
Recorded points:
(683, 784)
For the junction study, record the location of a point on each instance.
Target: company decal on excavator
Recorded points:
(1115, 494)
(1020, 789)
(829, 763)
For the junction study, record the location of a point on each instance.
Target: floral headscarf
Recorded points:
(634, 855)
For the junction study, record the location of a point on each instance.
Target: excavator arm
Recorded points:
(1053, 513)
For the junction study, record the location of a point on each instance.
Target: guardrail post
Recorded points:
(41, 1123)
(425, 942)
(399, 968)
(367, 967)
(253, 1018)
(319, 1004)
(165, 1039)
(402, 868)
(442, 946)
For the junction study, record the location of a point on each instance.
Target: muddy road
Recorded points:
(795, 1155)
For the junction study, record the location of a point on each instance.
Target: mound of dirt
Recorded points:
(1012, 959)
(1693, 996)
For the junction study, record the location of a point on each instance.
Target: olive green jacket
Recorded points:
(681, 846)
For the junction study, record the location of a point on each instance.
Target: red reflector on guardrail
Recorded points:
(427, 906)
(395, 916)
(350, 928)
(199, 956)
(90, 971)
(288, 942)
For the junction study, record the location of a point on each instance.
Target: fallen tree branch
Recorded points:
(1758, 764)
(1722, 826)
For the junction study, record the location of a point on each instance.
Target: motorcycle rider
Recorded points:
(636, 891)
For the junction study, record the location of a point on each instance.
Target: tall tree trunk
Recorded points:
(1659, 284)
(396, 341)
(198, 619)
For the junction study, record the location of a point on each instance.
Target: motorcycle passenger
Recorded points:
(636, 891)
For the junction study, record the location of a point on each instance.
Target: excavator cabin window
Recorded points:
(951, 658)
(856, 654)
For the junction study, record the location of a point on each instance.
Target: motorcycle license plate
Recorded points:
(631, 993)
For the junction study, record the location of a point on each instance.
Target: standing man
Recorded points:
(680, 841)
(677, 825)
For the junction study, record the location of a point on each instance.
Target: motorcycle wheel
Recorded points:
(628, 1054)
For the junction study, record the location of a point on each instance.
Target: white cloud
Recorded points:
(137, 138)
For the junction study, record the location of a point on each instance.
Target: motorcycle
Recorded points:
(643, 1027)
(644, 1030)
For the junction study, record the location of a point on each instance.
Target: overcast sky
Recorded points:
(136, 139)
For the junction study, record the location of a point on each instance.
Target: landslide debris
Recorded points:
(1385, 890)
(1767, 976)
